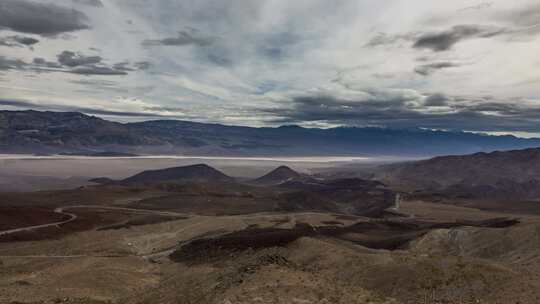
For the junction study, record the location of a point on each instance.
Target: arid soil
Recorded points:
(433, 253)
(13, 217)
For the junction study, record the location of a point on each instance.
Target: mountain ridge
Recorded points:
(513, 174)
(72, 132)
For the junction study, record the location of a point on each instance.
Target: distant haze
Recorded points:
(120, 167)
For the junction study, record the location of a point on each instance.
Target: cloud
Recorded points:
(372, 104)
(142, 65)
(398, 109)
(25, 104)
(526, 15)
(93, 85)
(480, 6)
(164, 109)
(77, 63)
(436, 100)
(18, 41)
(40, 18)
(445, 40)
(438, 41)
(72, 59)
(184, 38)
(387, 39)
(42, 62)
(219, 59)
(97, 70)
(430, 68)
(96, 3)
(11, 64)
(73, 63)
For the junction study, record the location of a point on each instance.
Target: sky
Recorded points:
(449, 65)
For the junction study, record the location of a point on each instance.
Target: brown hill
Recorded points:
(193, 173)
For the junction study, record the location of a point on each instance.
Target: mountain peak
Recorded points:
(279, 175)
(284, 170)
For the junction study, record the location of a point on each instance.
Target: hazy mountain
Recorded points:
(194, 173)
(67, 132)
(502, 175)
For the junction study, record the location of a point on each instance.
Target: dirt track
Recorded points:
(73, 217)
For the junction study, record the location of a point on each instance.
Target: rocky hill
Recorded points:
(194, 173)
(502, 175)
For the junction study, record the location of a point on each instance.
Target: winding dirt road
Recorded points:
(72, 217)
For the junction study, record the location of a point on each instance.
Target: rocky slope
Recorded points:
(502, 175)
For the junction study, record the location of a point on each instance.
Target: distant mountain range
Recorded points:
(38, 132)
(509, 175)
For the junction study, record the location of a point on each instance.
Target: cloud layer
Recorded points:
(457, 65)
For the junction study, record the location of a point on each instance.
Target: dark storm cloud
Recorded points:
(72, 59)
(142, 65)
(430, 68)
(18, 41)
(437, 100)
(77, 63)
(399, 112)
(17, 103)
(97, 70)
(42, 62)
(327, 108)
(278, 45)
(11, 64)
(219, 59)
(445, 40)
(184, 38)
(40, 18)
(123, 66)
(120, 68)
(96, 3)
